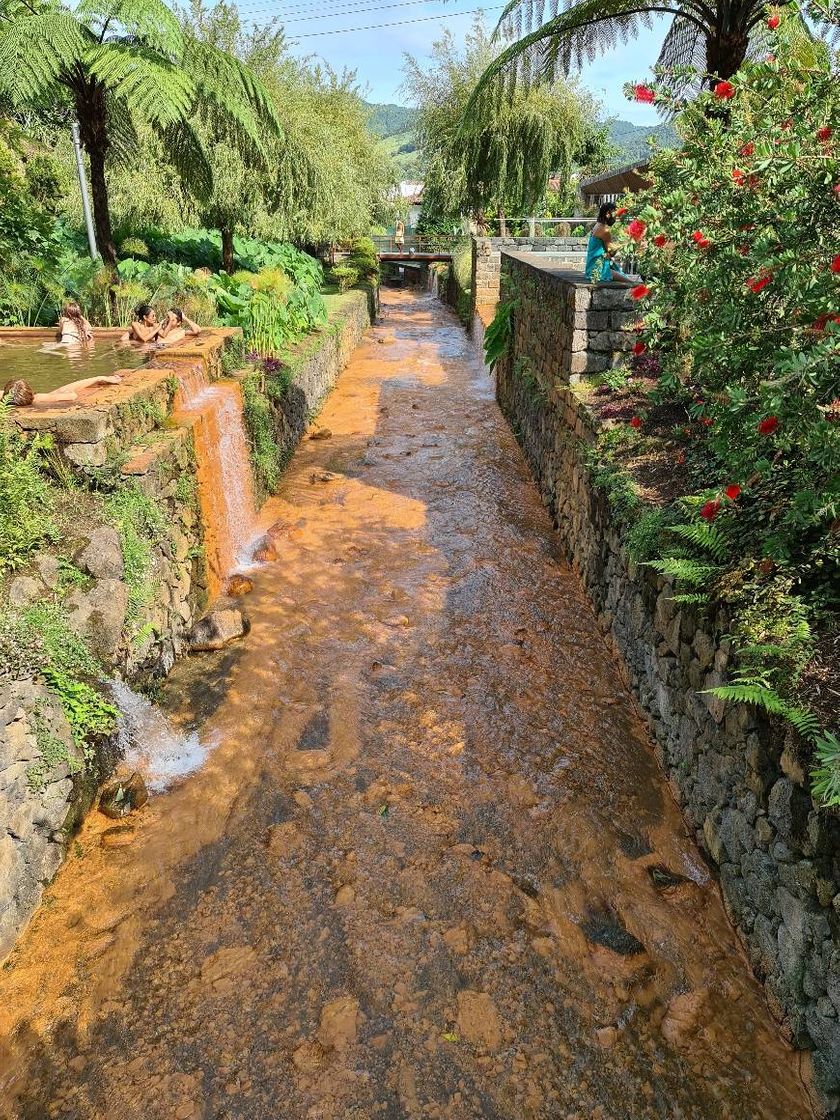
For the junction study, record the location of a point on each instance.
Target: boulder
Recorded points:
(98, 615)
(265, 553)
(102, 555)
(221, 625)
(24, 590)
(239, 585)
(120, 798)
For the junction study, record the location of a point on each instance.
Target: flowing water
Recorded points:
(430, 868)
(225, 488)
(151, 744)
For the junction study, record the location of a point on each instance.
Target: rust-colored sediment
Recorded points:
(414, 877)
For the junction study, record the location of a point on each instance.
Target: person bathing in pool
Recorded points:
(20, 394)
(176, 327)
(72, 327)
(144, 327)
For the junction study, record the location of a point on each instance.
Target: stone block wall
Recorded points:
(567, 252)
(742, 786)
(563, 326)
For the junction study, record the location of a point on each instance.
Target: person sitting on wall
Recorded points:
(145, 327)
(20, 394)
(599, 268)
(72, 328)
(176, 327)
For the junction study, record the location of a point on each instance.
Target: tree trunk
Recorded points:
(101, 208)
(502, 223)
(725, 54)
(227, 251)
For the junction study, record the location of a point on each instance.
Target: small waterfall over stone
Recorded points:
(150, 744)
(223, 468)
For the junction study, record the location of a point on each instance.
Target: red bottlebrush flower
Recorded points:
(621, 211)
(680, 459)
(710, 510)
(636, 422)
(706, 421)
(787, 124)
(640, 291)
(769, 58)
(836, 190)
(636, 229)
(644, 94)
(774, 21)
(757, 284)
(660, 241)
(743, 250)
(768, 425)
(746, 149)
(738, 176)
(835, 264)
(824, 133)
(639, 347)
(724, 90)
(733, 492)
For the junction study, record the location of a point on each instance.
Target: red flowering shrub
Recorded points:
(639, 348)
(636, 229)
(748, 337)
(773, 22)
(644, 94)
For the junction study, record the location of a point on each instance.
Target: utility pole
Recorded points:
(80, 167)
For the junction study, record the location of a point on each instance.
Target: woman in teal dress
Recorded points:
(599, 267)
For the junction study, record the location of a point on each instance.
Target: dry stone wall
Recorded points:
(741, 785)
(566, 252)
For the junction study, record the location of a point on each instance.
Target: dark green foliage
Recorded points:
(498, 333)
(26, 499)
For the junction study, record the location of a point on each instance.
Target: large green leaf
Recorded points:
(36, 51)
(153, 88)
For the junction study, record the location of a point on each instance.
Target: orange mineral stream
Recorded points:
(415, 876)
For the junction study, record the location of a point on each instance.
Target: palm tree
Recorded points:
(123, 62)
(709, 38)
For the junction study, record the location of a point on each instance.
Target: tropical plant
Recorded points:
(125, 64)
(705, 43)
(497, 335)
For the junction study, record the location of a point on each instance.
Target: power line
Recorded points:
(280, 12)
(370, 8)
(396, 23)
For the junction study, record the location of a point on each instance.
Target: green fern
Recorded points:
(694, 599)
(497, 335)
(708, 538)
(756, 691)
(825, 776)
(684, 569)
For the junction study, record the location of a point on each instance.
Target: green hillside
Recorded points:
(393, 123)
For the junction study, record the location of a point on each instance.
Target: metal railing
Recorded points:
(418, 243)
(536, 227)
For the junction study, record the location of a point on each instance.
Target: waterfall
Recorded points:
(223, 468)
(150, 744)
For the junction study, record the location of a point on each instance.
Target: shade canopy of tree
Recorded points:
(711, 40)
(502, 158)
(126, 65)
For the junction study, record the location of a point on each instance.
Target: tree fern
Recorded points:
(752, 690)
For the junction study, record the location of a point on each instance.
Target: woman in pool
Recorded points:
(145, 327)
(20, 394)
(599, 267)
(176, 326)
(72, 328)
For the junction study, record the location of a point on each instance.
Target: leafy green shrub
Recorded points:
(345, 275)
(259, 423)
(26, 498)
(364, 259)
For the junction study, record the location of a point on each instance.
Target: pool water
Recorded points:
(50, 369)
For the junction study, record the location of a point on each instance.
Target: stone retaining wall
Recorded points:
(568, 252)
(742, 787)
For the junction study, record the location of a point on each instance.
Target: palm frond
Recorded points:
(683, 57)
(35, 51)
(153, 88)
(578, 34)
(236, 96)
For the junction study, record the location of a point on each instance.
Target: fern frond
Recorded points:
(147, 23)
(760, 695)
(690, 599)
(186, 153)
(151, 86)
(706, 537)
(825, 776)
(35, 51)
(684, 569)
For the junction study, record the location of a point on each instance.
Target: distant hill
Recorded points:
(631, 139)
(394, 124)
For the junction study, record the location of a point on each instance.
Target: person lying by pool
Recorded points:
(145, 326)
(176, 326)
(20, 394)
(72, 327)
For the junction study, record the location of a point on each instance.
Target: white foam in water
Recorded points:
(149, 742)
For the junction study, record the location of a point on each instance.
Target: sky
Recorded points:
(320, 28)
